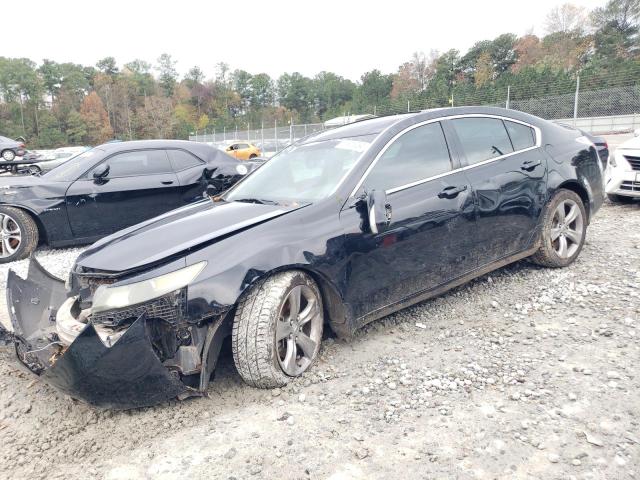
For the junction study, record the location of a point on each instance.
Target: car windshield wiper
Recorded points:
(261, 201)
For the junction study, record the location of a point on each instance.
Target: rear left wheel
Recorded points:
(564, 228)
(277, 329)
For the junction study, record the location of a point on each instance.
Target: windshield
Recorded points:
(302, 173)
(73, 168)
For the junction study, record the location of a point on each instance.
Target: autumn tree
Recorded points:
(94, 116)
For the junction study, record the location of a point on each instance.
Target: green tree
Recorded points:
(168, 74)
(108, 66)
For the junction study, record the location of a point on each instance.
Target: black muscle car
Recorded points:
(106, 189)
(337, 230)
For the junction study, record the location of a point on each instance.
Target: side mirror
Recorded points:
(379, 211)
(101, 171)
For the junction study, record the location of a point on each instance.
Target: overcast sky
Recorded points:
(343, 36)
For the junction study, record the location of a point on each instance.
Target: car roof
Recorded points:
(378, 125)
(201, 150)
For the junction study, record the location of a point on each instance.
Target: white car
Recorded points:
(622, 178)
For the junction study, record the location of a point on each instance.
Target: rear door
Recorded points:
(508, 173)
(140, 185)
(189, 171)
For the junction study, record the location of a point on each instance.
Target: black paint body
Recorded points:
(82, 210)
(432, 243)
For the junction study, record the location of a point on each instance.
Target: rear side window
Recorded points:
(521, 136)
(482, 138)
(143, 162)
(418, 154)
(242, 146)
(181, 160)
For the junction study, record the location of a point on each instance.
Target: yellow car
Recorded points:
(243, 150)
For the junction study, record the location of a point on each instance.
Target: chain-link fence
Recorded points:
(572, 104)
(271, 139)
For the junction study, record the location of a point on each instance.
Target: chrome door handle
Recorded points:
(452, 191)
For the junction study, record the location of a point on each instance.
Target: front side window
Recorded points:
(521, 135)
(482, 138)
(302, 173)
(418, 154)
(143, 162)
(73, 168)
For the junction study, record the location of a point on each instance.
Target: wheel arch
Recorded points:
(581, 191)
(334, 309)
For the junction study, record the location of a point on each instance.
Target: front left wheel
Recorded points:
(277, 329)
(18, 234)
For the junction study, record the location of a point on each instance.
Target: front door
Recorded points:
(432, 223)
(508, 173)
(139, 185)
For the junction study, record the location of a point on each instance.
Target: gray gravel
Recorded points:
(524, 373)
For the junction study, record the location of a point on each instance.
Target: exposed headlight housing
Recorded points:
(242, 169)
(112, 297)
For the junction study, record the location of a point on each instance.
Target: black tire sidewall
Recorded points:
(27, 243)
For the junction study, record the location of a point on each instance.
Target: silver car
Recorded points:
(10, 149)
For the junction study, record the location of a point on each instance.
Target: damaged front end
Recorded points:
(120, 358)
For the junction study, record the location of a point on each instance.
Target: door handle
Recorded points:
(452, 191)
(167, 182)
(530, 164)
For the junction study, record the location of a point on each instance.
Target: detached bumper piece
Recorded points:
(126, 375)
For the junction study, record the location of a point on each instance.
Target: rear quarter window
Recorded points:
(521, 135)
(482, 138)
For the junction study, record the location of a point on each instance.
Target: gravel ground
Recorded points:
(523, 373)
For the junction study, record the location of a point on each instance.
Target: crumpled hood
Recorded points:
(175, 232)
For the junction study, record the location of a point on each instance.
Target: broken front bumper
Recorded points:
(125, 375)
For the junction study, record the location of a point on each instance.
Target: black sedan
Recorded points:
(106, 189)
(340, 229)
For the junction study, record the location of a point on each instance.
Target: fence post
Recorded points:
(236, 136)
(214, 135)
(291, 130)
(374, 110)
(275, 132)
(508, 96)
(262, 133)
(575, 102)
(408, 109)
(224, 133)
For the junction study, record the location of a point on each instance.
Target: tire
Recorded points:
(613, 198)
(18, 234)
(262, 317)
(34, 169)
(8, 155)
(570, 233)
(252, 156)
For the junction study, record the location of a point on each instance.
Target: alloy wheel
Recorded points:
(298, 330)
(567, 228)
(10, 235)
